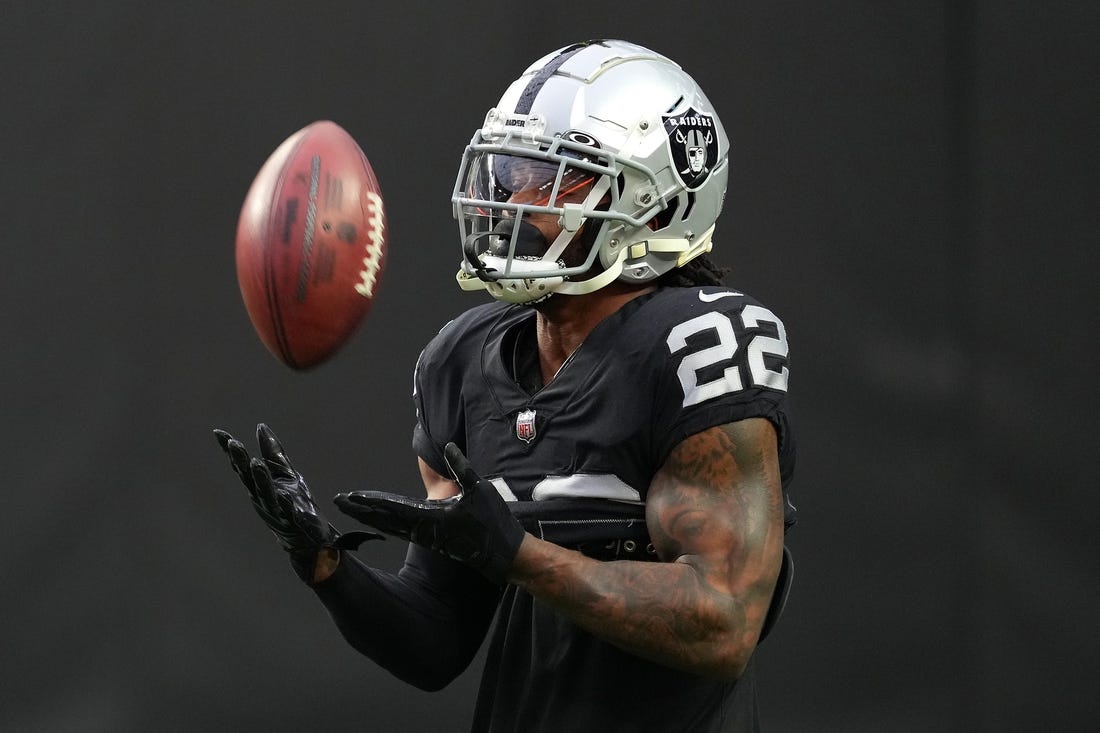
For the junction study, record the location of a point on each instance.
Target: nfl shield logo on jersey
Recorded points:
(525, 426)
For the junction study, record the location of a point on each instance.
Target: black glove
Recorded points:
(475, 528)
(282, 499)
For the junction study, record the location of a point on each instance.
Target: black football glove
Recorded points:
(282, 499)
(475, 528)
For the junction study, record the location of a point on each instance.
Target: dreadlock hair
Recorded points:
(699, 271)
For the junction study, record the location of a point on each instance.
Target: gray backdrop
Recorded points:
(913, 190)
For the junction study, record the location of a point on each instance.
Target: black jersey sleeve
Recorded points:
(437, 397)
(723, 357)
(423, 624)
(444, 377)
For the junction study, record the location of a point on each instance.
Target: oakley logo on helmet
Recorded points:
(694, 146)
(581, 138)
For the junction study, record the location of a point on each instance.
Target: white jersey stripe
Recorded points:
(585, 486)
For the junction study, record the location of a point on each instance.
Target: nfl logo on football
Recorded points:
(525, 426)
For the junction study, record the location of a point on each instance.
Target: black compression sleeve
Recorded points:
(424, 624)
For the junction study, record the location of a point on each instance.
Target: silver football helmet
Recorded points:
(604, 161)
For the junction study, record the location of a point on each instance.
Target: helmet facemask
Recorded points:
(534, 214)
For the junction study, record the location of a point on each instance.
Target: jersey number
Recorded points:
(730, 381)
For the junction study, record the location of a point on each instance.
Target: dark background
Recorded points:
(912, 189)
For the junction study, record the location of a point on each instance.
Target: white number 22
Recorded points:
(730, 381)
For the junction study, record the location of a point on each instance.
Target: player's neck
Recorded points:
(564, 322)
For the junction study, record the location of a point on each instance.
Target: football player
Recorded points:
(606, 445)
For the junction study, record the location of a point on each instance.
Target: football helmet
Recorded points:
(604, 161)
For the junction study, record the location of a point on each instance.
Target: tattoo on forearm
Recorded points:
(712, 508)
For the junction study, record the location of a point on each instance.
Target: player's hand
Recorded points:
(281, 498)
(476, 528)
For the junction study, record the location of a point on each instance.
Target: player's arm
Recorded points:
(437, 485)
(424, 623)
(714, 513)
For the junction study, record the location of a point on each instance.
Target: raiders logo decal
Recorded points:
(693, 141)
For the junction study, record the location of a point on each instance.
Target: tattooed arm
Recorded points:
(714, 513)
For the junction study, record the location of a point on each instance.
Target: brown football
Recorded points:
(311, 244)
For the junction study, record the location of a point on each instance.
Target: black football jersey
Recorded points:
(667, 365)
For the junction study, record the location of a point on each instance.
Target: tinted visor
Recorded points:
(520, 180)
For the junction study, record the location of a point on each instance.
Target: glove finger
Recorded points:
(264, 491)
(351, 504)
(389, 513)
(352, 540)
(284, 501)
(223, 438)
(460, 467)
(239, 460)
(385, 500)
(273, 452)
(301, 518)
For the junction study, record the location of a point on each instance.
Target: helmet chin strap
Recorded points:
(609, 275)
(687, 251)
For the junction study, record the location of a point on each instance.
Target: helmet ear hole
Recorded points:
(665, 217)
(690, 195)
